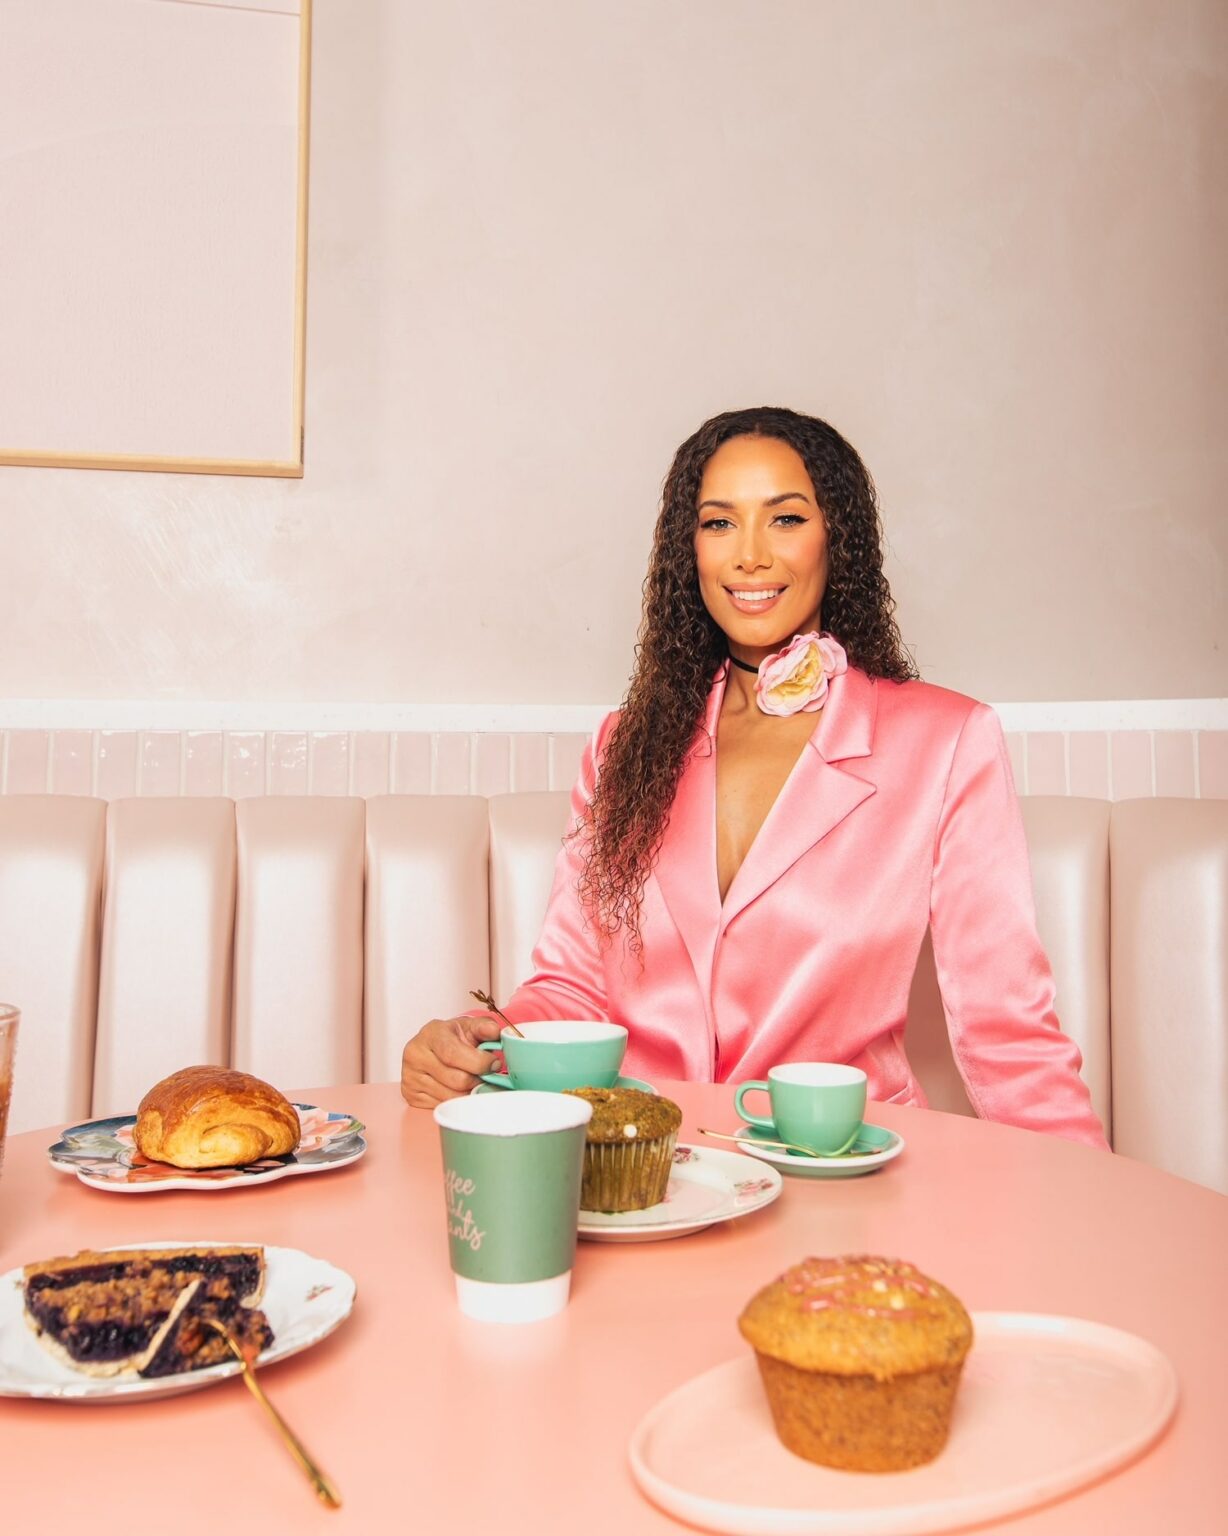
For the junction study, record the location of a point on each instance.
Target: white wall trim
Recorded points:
(255, 715)
(1115, 715)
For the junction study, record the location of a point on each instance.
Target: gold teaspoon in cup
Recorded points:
(324, 1490)
(785, 1146)
(488, 1002)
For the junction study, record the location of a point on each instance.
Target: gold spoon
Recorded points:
(488, 1002)
(785, 1146)
(325, 1491)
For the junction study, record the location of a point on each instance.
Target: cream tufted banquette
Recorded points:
(304, 939)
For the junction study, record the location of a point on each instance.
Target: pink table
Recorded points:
(432, 1423)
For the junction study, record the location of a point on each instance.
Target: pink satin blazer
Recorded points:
(900, 813)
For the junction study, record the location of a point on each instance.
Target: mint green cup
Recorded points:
(511, 1168)
(818, 1105)
(559, 1053)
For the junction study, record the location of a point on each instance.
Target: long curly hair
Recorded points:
(680, 646)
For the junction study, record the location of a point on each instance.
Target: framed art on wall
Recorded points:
(153, 181)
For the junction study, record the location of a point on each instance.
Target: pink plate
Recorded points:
(1046, 1405)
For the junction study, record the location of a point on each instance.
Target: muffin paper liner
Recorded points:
(626, 1175)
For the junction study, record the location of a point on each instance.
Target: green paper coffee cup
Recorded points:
(511, 1170)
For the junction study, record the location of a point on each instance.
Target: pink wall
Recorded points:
(986, 240)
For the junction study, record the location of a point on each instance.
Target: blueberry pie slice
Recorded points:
(147, 1311)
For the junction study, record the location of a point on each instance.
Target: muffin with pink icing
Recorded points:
(860, 1359)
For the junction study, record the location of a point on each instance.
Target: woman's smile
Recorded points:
(756, 600)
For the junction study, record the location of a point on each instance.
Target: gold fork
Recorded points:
(324, 1489)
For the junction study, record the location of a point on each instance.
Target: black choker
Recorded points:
(745, 665)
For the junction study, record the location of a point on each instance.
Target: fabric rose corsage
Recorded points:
(794, 680)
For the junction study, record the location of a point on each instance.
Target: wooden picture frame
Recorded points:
(278, 418)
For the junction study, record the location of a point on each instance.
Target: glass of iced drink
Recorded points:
(8, 1047)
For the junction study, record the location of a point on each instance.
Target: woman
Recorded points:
(764, 831)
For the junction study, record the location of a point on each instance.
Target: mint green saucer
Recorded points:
(875, 1145)
(622, 1082)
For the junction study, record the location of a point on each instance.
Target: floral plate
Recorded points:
(304, 1299)
(101, 1153)
(704, 1188)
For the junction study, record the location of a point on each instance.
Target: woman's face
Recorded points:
(760, 545)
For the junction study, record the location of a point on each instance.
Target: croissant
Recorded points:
(212, 1117)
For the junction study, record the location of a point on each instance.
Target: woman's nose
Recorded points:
(752, 552)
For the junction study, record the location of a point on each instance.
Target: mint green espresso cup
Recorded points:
(511, 1169)
(815, 1104)
(559, 1053)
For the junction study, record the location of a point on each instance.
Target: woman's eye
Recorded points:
(791, 519)
(716, 523)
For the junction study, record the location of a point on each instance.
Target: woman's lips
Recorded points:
(754, 605)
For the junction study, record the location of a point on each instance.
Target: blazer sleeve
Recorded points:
(568, 978)
(997, 986)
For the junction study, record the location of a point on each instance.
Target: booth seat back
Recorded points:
(1169, 980)
(305, 938)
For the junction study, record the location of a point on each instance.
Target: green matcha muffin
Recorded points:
(860, 1359)
(630, 1148)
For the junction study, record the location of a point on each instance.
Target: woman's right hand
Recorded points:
(442, 1061)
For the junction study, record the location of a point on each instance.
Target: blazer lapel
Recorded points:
(685, 868)
(817, 796)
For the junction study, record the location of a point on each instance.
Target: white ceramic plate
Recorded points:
(102, 1154)
(1046, 1405)
(705, 1187)
(875, 1146)
(305, 1298)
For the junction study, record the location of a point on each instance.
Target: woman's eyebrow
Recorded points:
(772, 501)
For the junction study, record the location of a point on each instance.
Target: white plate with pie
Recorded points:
(304, 1299)
(705, 1187)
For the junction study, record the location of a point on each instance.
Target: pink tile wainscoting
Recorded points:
(1044, 756)
(1116, 765)
(1130, 764)
(1212, 767)
(1088, 763)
